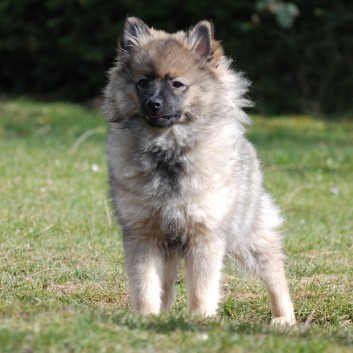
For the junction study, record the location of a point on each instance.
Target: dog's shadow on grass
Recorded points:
(222, 326)
(167, 323)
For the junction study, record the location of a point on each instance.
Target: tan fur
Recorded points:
(191, 190)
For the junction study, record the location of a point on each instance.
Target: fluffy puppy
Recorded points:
(185, 182)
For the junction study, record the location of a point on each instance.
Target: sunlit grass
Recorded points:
(63, 281)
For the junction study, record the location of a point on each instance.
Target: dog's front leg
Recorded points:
(203, 266)
(144, 262)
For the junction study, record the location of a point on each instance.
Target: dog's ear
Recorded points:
(134, 29)
(201, 38)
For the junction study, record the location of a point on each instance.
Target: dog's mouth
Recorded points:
(162, 120)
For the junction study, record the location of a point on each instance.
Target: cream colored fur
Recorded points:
(211, 205)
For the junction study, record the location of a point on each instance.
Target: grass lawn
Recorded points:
(63, 281)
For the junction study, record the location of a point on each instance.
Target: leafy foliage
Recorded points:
(297, 52)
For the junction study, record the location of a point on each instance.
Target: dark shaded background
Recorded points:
(61, 49)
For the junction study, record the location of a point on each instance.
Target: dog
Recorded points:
(185, 182)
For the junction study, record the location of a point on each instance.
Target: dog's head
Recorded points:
(161, 78)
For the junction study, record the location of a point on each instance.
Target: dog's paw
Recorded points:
(283, 320)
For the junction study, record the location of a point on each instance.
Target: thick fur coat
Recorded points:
(185, 182)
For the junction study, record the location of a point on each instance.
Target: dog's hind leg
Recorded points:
(274, 280)
(170, 271)
(269, 265)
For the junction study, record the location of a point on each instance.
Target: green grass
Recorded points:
(63, 282)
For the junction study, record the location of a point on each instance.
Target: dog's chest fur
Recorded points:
(180, 185)
(172, 185)
(163, 170)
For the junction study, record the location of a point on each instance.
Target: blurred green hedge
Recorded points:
(298, 62)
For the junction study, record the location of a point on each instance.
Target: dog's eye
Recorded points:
(143, 82)
(177, 84)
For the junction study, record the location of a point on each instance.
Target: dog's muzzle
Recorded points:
(162, 121)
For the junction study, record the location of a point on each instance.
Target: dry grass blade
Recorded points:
(310, 318)
(84, 137)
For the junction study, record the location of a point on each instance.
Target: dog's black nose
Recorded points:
(154, 104)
